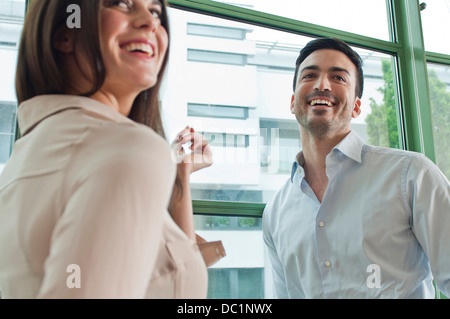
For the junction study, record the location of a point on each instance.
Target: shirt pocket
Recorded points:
(190, 274)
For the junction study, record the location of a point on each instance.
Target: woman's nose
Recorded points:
(145, 19)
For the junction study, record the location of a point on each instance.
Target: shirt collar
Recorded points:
(299, 162)
(351, 146)
(33, 111)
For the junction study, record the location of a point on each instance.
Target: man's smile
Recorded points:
(320, 102)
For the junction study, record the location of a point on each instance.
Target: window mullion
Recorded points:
(438, 58)
(218, 208)
(413, 79)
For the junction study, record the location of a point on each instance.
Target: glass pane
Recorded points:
(368, 18)
(439, 83)
(11, 20)
(435, 19)
(244, 110)
(241, 275)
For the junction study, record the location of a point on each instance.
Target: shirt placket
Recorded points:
(327, 260)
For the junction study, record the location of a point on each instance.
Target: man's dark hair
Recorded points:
(333, 44)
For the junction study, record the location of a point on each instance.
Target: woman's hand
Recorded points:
(180, 206)
(200, 155)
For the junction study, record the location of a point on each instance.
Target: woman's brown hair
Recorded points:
(39, 71)
(38, 68)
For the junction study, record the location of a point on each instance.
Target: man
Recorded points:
(353, 221)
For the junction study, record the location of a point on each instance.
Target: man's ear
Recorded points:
(64, 40)
(356, 108)
(292, 104)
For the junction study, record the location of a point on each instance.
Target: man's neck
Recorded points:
(315, 151)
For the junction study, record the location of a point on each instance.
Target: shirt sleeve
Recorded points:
(428, 193)
(106, 241)
(279, 282)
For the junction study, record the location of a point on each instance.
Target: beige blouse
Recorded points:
(83, 208)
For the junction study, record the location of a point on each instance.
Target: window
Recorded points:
(7, 128)
(243, 64)
(392, 115)
(241, 274)
(220, 111)
(280, 142)
(435, 16)
(347, 15)
(439, 84)
(215, 31)
(251, 105)
(216, 57)
(236, 283)
(11, 20)
(226, 139)
(261, 88)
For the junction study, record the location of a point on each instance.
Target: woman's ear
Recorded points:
(64, 40)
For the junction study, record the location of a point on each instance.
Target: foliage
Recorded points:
(382, 126)
(440, 106)
(382, 121)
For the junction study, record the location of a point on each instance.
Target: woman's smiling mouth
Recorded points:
(140, 47)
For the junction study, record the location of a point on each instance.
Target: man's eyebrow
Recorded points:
(310, 67)
(331, 69)
(338, 69)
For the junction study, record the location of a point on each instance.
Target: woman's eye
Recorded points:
(156, 13)
(125, 4)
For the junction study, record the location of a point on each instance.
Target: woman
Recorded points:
(84, 197)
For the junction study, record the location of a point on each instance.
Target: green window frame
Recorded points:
(406, 45)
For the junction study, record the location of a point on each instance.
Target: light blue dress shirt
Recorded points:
(381, 231)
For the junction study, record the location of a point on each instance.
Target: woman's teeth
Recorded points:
(142, 47)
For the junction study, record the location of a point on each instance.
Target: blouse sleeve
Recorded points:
(106, 241)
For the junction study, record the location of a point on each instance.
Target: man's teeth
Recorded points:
(314, 102)
(143, 47)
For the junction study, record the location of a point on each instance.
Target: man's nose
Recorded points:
(322, 84)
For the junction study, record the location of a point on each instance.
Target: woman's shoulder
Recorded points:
(126, 147)
(135, 143)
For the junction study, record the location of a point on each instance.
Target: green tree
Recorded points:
(440, 116)
(382, 121)
(382, 127)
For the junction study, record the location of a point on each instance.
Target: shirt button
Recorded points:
(328, 264)
(321, 224)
